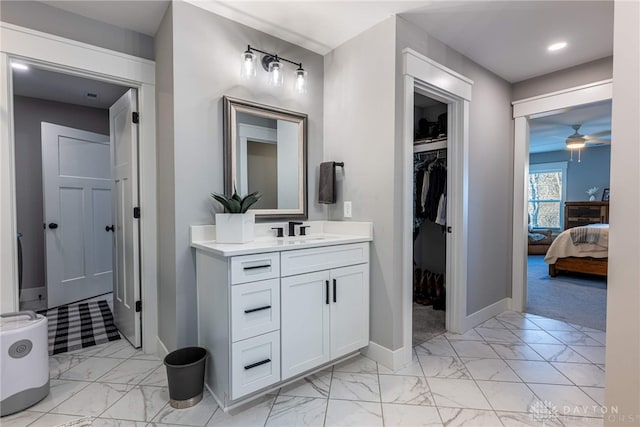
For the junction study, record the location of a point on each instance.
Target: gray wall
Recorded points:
(593, 170)
(359, 131)
(42, 17)
(490, 175)
(29, 113)
(166, 182)
(594, 71)
(368, 90)
(206, 66)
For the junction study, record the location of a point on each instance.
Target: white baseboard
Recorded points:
(31, 294)
(391, 359)
(486, 313)
(161, 349)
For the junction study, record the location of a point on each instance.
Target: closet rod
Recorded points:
(433, 146)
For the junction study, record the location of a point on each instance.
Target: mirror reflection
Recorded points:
(265, 150)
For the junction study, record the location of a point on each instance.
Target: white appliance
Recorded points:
(24, 379)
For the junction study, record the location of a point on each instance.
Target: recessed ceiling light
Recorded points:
(18, 66)
(557, 46)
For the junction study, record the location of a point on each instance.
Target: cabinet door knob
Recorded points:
(53, 225)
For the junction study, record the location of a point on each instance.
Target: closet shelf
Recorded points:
(430, 146)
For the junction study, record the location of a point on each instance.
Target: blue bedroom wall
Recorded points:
(593, 170)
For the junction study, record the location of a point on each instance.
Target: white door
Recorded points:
(77, 210)
(349, 309)
(126, 253)
(304, 324)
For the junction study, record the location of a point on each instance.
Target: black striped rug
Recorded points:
(80, 325)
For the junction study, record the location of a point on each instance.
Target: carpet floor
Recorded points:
(576, 298)
(80, 325)
(427, 323)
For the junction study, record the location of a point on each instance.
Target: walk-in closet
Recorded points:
(429, 217)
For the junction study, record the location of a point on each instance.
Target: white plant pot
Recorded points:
(235, 228)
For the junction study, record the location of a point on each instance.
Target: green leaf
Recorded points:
(234, 206)
(249, 200)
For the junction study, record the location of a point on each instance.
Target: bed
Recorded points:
(580, 249)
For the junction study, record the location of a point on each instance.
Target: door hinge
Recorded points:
(135, 117)
(136, 212)
(138, 306)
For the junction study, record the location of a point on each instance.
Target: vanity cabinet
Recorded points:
(269, 317)
(325, 315)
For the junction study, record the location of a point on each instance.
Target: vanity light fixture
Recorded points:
(274, 65)
(556, 46)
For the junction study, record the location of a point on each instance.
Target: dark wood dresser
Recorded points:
(584, 213)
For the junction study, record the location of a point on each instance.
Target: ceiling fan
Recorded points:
(577, 140)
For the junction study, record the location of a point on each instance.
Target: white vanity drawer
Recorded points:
(251, 268)
(255, 309)
(307, 260)
(255, 364)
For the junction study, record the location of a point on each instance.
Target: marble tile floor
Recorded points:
(513, 370)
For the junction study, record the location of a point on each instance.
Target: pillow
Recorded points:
(540, 236)
(536, 237)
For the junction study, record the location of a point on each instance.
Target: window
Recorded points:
(547, 189)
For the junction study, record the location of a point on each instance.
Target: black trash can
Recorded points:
(185, 374)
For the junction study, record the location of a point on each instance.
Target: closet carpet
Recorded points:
(577, 298)
(427, 323)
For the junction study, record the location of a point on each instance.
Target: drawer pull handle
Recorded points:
(326, 298)
(252, 310)
(253, 365)
(255, 267)
(335, 292)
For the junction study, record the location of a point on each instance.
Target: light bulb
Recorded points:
(301, 81)
(248, 65)
(276, 74)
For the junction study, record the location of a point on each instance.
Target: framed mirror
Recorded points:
(265, 150)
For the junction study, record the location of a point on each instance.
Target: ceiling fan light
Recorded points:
(576, 143)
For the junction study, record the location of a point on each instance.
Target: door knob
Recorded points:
(53, 225)
(107, 228)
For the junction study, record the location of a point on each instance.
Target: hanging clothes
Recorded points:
(430, 178)
(437, 184)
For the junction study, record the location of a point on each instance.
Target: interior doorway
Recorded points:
(567, 194)
(429, 218)
(65, 56)
(524, 111)
(76, 177)
(429, 79)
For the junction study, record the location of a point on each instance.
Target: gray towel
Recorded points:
(327, 188)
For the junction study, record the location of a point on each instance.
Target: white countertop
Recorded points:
(322, 233)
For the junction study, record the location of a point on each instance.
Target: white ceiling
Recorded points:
(510, 38)
(52, 86)
(143, 16)
(550, 132)
(507, 37)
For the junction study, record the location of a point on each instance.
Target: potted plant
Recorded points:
(236, 224)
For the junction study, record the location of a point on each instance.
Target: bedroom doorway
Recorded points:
(526, 114)
(568, 182)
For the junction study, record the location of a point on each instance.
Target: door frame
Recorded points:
(423, 75)
(523, 111)
(71, 57)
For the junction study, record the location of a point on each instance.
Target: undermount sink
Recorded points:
(307, 239)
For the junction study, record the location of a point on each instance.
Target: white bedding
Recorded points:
(563, 246)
